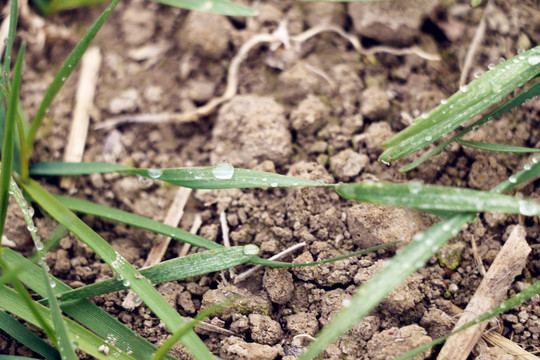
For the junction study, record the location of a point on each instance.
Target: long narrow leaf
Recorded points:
(468, 102)
(174, 269)
(526, 95)
(221, 176)
(497, 147)
(20, 333)
(88, 341)
(132, 277)
(13, 17)
(9, 132)
(84, 311)
(437, 198)
(212, 6)
(65, 71)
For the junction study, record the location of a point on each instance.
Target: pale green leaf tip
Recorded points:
(251, 249)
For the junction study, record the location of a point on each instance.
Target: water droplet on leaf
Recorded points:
(223, 171)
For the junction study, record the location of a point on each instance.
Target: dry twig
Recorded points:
(492, 290)
(90, 64)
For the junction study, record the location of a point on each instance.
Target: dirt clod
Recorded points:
(278, 282)
(396, 341)
(236, 348)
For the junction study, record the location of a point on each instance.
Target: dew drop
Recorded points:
(274, 184)
(428, 138)
(521, 51)
(527, 167)
(424, 115)
(223, 171)
(528, 208)
(491, 66)
(444, 101)
(264, 179)
(251, 249)
(533, 59)
(535, 160)
(126, 283)
(512, 179)
(415, 187)
(503, 306)
(446, 227)
(53, 284)
(31, 211)
(63, 79)
(501, 60)
(463, 88)
(346, 302)
(31, 228)
(155, 173)
(39, 245)
(115, 264)
(478, 74)
(120, 277)
(385, 162)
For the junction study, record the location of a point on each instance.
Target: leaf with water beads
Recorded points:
(468, 102)
(220, 176)
(497, 147)
(439, 199)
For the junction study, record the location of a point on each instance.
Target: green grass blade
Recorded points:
(61, 76)
(124, 217)
(13, 17)
(508, 304)
(88, 341)
(369, 295)
(64, 343)
(9, 134)
(20, 333)
(84, 311)
(497, 147)
(437, 198)
(530, 171)
(213, 6)
(174, 269)
(132, 277)
(222, 7)
(468, 102)
(526, 95)
(27, 301)
(222, 176)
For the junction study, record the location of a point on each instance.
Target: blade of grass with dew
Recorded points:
(496, 147)
(505, 306)
(222, 176)
(408, 260)
(9, 132)
(64, 343)
(468, 102)
(132, 277)
(13, 17)
(174, 338)
(174, 269)
(61, 76)
(524, 96)
(90, 208)
(432, 198)
(27, 300)
(221, 7)
(395, 271)
(84, 311)
(20, 333)
(88, 341)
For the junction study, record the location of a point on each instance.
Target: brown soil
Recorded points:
(319, 111)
